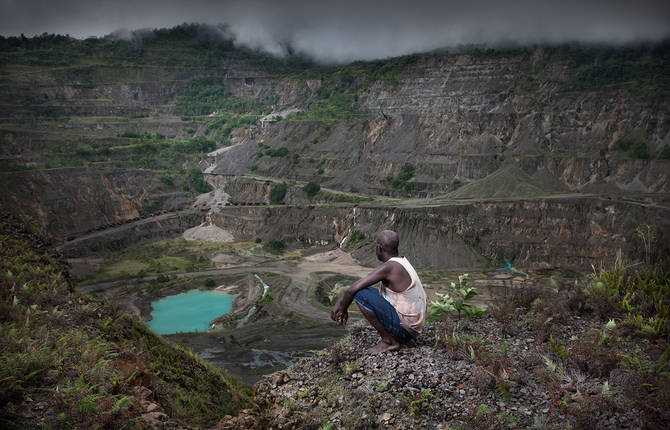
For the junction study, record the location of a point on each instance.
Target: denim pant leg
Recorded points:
(370, 299)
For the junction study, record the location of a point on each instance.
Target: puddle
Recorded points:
(189, 312)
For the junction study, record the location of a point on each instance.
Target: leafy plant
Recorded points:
(455, 301)
(643, 295)
(421, 401)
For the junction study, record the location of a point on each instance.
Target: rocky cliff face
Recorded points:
(541, 233)
(152, 229)
(510, 125)
(459, 118)
(67, 202)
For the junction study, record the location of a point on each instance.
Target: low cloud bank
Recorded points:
(351, 30)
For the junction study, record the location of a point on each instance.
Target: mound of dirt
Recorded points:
(510, 181)
(336, 256)
(208, 233)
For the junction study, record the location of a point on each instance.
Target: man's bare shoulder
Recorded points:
(397, 276)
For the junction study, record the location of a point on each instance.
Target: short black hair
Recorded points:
(388, 240)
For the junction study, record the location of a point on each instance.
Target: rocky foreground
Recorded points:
(560, 365)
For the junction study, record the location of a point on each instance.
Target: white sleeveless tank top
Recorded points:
(411, 303)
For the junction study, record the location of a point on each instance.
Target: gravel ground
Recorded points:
(463, 374)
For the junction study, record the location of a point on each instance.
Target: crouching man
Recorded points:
(399, 312)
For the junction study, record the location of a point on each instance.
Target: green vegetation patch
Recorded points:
(633, 145)
(274, 246)
(8, 166)
(334, 106)
(81, 359)
(277, 193)
(356, 237)
(644, 68)
(327, 196)
(388, 70)
(401, 180)
(186, 46)
(202, 96)
(643, 295)
(167, 257)
(311, 188)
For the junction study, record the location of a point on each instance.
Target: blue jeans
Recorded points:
(370, 299)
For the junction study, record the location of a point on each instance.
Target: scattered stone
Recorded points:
(152, 407)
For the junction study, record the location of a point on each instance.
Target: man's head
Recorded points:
(387, 245)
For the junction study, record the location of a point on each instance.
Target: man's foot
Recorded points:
(383, 346)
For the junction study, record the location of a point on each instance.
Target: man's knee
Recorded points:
(366, 297)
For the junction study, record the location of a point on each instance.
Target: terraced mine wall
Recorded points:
(524, 122)
(540, 233)
(459, 118)
(71, 202)
(149, 230)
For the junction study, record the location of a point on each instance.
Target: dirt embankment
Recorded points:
(570, 232)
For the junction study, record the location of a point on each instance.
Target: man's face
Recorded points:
(378, 250)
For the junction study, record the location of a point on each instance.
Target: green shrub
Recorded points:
(167, 179)
(665, 153)
(210, 283)
(197, 182)
(355, 239)
(277, 193)
(639, 151)
(206, 94)
(279, 152)
(401, 180)
(633, 145)
(332, 105)
(129, 134)
(275, 246)
(643, 294)
(624, 143)
(7, 166)
(311, 188)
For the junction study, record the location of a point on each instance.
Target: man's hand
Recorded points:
(339, 313)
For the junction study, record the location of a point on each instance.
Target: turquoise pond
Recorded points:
(189, 312)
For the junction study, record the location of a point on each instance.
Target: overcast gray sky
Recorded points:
(348, 30)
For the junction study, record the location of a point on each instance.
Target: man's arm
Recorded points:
(339, 313)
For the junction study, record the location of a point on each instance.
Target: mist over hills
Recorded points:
(355, 30)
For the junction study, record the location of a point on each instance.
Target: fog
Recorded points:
(349, 30)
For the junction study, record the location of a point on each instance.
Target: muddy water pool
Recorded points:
(189, 312)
